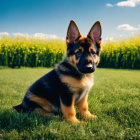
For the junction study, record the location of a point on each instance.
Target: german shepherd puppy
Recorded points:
(69, 82)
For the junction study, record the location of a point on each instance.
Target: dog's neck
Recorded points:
(67, 68)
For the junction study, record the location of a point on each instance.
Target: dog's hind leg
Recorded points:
(43, 112)
(19, 108)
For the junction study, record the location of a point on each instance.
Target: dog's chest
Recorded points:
(80, 95)
(75, 84)
(78, 87)
(86, 84)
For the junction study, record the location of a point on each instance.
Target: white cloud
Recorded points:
(109, 5)
(21, 35)
(45, 36)
(4, 34)
(40, 36)
(125, 3)
(37, 36)
(127, 27)
(109, 38)
(128, 3)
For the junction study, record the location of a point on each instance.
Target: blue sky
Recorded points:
(119, 18)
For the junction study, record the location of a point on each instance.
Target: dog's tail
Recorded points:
(20, 108)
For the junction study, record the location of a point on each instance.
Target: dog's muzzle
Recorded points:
(90, 68)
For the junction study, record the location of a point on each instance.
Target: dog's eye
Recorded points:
(79, 52)
(93, 53)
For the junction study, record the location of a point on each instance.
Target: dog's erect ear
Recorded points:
(96, 32)
(73, 32)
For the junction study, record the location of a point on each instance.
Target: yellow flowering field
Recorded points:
(123, 53)
(21, 51)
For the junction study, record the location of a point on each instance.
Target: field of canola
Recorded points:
(20, 51)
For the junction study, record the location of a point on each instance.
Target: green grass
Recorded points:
(114, 98)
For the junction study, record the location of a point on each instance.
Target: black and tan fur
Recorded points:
(68, 84)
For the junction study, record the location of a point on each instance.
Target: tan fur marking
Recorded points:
(69, 112)
(79, 49)
(96, 59)
(83, 108)
(83, 105)
(41, 101)
(85, 82)
(42, 112)
(82, 39)
(89, 40)
(73, 60)
(91, 48)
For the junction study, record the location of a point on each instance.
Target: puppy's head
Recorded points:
(83, 52)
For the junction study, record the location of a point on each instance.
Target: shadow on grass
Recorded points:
(12, 120)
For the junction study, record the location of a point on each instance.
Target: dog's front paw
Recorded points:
(93, 116)
(73, 120)
(88, 115)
